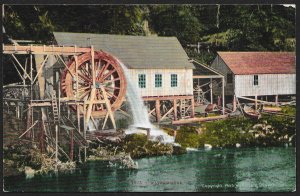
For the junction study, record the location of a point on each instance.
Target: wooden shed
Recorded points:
(158, 65)
(257, 73)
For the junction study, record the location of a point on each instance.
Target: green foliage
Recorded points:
(289, 110)
(216, 27)
(138, 146)
(267, 131)
(188, 137)
(226, 133)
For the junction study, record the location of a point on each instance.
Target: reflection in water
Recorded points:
(227, 170)
(217, 172)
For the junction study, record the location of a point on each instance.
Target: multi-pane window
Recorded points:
(142, 80)
(173, 80)
(229, 78)
(158, 80)
(255, 80)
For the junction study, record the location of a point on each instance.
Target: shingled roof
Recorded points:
(136, 52)
(244, 63)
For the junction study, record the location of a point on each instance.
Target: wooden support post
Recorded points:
(223, 96)
(42, 136)
(108, 107)
(78, 118)
(175, 108)
(56, 147)
(211, 92)
(17, 110)
(148, 133)
(255, 102)
(234, 104)
(71, 144)
(28, 129)
(193, 108)
(157, 110)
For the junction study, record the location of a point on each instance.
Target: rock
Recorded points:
(178, 150)
(256, 126)
(237, 145)
(29, 172)
(123, 162)
(207, 146)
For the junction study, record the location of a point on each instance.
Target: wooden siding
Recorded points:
(219, 65)
(268, 84)
(184, 81)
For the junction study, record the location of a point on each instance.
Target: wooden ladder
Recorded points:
(54, 107)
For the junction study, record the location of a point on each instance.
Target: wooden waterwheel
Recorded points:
(109, 77)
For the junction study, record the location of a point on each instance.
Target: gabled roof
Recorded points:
(136, 52)
(244, 63)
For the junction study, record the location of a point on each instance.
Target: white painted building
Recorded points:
(257, 73)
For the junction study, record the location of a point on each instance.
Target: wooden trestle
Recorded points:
(101, 96)
(175, 107)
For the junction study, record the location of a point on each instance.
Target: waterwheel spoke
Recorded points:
(84, 72)
(84, 94)
(102, 70)
(84, 77)
(83, 88)
(113, 80)
(108, 74)
(110, 94)
(111, 88)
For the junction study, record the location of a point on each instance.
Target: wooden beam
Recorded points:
(90, 105)
(157, 109)
(201, 119)
(56, 147)
(165, 115)
(211, 91)
(105, 120)
(43, 49)
(250, 99)
(40, 69)
(234, 104)
(108, 107)
(123, 112)
(164, 98)
(207, 76)
(255, 102)
(28, 129)
(149, 113)
(71, 145)
(175, 108)
(193, 108)
(223, 96)
(25, 72)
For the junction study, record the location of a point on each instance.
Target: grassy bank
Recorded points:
(270, 130)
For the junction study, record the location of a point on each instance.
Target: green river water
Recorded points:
(217, 170)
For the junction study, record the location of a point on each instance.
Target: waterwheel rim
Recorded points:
(108, 74)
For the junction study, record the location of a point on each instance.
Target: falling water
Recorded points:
(139, 112)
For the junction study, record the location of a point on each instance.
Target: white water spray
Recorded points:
(139, 112)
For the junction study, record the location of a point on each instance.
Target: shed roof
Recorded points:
(245, 63)
(136, 52)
